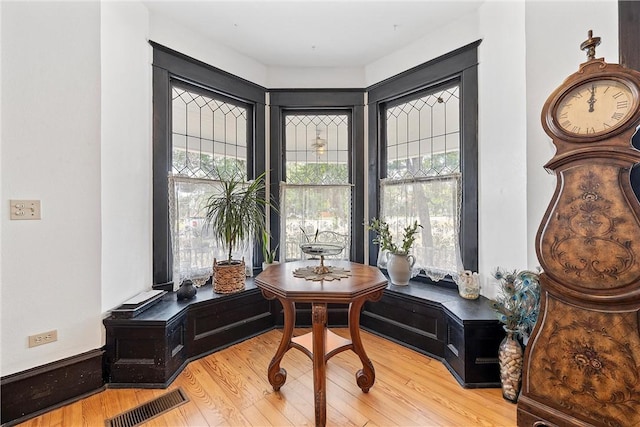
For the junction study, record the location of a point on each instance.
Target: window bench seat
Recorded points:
(151, 349)
(436, 321)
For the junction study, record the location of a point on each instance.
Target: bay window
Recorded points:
(316, 194)
(317, 170)
(208, 126)
(424, 127)
(209, 139)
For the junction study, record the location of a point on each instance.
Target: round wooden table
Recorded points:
(364, 283)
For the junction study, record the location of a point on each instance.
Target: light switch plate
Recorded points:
(25, 209)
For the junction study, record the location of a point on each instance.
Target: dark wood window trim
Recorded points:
(169, 66)
(349, 101)
(629, 56)
(461, 65)
(628, 34)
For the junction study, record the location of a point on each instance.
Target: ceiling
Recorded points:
(313, 33)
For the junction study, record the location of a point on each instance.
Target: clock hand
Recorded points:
(592, 99)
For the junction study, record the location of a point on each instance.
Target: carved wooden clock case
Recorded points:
(582, 363)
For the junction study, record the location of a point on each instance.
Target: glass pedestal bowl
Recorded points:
(321, 249)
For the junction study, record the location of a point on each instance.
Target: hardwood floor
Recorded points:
(230, 388)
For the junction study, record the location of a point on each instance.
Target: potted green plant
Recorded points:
(234, 214)
(268, 255)
(399, 261)
(516, 305)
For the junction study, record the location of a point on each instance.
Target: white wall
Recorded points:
(51, 152)
(126, 152)
(502, 141)
(551, 57)
(501, 123)
(171, 34)
(527, 49)
(332, 78)
(442, 40)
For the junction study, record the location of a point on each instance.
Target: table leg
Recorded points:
(277, 375)
(319, 329)
(366, 376)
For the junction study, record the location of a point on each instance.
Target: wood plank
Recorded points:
(377, 398)
(298, 394)
(190, 410)
(350, 407)
(230, 388)
(56, 417)
(301, 392)
(434, 389)
(110, 404)
(92, 410)
(211, 400)
(72, 415)
(255, 417)
(426, 402)
(283, 402)
(232, 381)
(243, 365)
(273, 416)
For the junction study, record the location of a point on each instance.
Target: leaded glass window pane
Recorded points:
(423, 136)
(435, 204)
(317, 149)
(209, 136)
(310, 208)
(317, 194)
(423, 181)
(209, 140)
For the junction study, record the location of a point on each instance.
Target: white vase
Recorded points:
(468, 284)
(399, 268)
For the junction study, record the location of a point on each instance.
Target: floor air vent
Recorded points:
(146, 411)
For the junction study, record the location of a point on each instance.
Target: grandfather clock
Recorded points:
(582, 363)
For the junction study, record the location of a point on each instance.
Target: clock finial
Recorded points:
(590, 45)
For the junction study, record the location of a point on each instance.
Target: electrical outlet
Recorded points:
(43, 338)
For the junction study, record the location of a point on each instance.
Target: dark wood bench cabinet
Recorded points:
(151, 349)
(436, 321)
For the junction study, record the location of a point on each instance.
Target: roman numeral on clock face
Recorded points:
(622, 104)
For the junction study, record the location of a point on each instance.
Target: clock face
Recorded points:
(595, 107)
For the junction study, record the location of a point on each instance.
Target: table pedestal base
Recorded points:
(320, 345)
